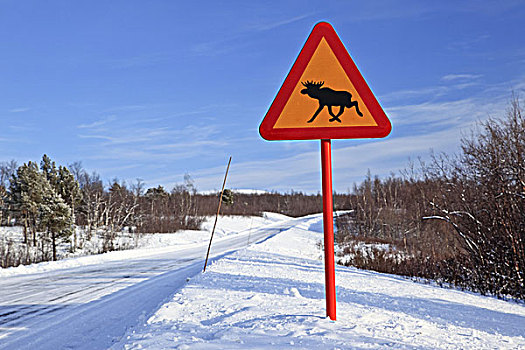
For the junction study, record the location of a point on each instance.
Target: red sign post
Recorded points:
(325, 97)
(328, 227)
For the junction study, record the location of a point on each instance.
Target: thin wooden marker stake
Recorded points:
(217, 215)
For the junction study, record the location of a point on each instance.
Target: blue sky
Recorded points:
(157, 89)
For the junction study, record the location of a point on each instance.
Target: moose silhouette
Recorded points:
(330, 98)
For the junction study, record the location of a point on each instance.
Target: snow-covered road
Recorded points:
(88, 307)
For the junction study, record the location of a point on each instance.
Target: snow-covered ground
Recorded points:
(90, 302)
(271, 296)
(148, 244)
(264, 295)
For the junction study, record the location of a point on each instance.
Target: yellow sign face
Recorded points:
(324, 97)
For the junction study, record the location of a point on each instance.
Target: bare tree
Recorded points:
(460, 219)
(484, 200)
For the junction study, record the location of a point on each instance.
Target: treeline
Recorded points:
(293, 204)
(458, 220)
(67, 205)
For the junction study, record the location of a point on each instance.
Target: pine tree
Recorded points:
(49, 169)
(39, 204)
(69, 189)
(65, 186)
(27, 189)
(55, 219)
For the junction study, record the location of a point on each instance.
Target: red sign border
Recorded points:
(324, 30)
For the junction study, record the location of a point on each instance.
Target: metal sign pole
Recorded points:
(328, 225)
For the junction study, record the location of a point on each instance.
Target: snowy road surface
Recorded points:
(91, 307)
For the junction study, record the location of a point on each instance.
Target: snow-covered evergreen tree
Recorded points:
(37, 202)
(27, 190)
(55, 219)
(49, 170)
(68, 188)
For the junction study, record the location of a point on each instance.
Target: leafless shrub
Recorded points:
(15, 253)
(461, 219)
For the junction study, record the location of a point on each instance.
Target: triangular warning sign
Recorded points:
(324, 96)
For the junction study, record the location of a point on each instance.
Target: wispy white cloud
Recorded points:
(219, 47)
(268, 25)
(382, 10)
(491, 8)
(101, 137)
(116, 169)
(240, 39)
(438, 113)
(116, 139)
(466, 45)
(400, 95)
(97, 123)
(451, 83)
(450, 77)
(19, 110)
(23, 127)
(443, 106)
(128, 136)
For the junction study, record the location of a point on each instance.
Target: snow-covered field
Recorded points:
(147, 244)
(271, 296)
(268, 295)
